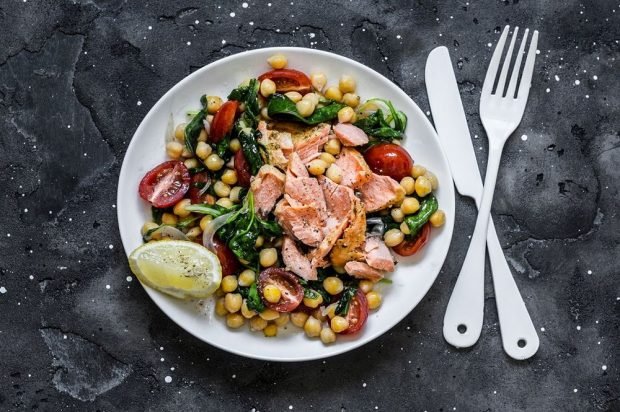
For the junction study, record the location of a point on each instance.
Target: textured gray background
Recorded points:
(77, 77)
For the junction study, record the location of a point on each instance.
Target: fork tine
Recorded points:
(517, 67)
(528, 69)
(489, 80)
(506, 66)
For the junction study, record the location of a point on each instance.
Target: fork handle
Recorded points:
(519, 336)
(462, 322)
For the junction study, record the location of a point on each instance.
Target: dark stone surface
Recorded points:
(71, 74)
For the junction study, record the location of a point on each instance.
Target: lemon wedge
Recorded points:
(179, 268)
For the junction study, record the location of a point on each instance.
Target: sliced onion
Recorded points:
(212, 227)
(377, 225)
(207, 126)
(170, 232)
(170, 129)
(325, 309)
(205, 188)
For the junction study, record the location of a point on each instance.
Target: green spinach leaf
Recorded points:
(211, 210)
(280, 106)
(342, 308)
(193, 129)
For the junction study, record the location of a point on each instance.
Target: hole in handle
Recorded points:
(461, 328)
(521, 343)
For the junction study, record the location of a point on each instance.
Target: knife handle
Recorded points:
(519, 336)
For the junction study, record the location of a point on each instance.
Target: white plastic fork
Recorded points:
(501, 113)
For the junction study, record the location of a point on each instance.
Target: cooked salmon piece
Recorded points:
(307, 191)
(278, 145)
(267, 186)
(302, 222)
(378, 255)
(355, 171)
(350, 135)
(381, 192)
(308, 145)
(295, 261)
(361, 270)
(296, 166)
(351, 245)
(318, 255)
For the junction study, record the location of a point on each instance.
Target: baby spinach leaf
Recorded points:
(193, 129)
(247, 94)
(343, 304)
(253, 299)
(282, 107)
(211, 210)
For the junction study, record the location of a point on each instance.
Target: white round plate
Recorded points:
(413, 276)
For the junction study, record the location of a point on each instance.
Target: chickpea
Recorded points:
(264, 112)
(148, 226)
(169, 219)
(221, 189)
(317, 167)
(270, 331)
(334, 173)
(346, 115)
(331, 310)
(257, 323)
(333, 147)
(432, 178)
(191, 163)
(268, 257)
(333, 93)
(229, 283)
(179, 132)
(417, 171)
(272, 293)
(404, 227)
(305, 107)
(333, 285)
(366, 286)
(246, 278)
(423, 186)
(179, 208)
(233, 301)
(327, 158)
(203, 150)
(313, 97)
(267, 87)
(269, 314)
(327, 336)
(313, 302)
(235, 194)
(397, 214)
(186, 153)
(282, 320)
(299, 319)
(374, 299)
(277, 61)
(408, 184)
(220, 307)
(319, 80)
(234, 320)
(229, 177)
(205, 221)
(214, 162)
(193, 233)
(234, 145)
(224, 202)
(346, 84)
(318, 313)
(339, 324)
(409, 205)
(247, 312)
(202, 137)
(393, 237)
(438, 218)
(260, 241)
(174, 149)
(294, 96)
(213, 104)
(351, 99)
(312, 327)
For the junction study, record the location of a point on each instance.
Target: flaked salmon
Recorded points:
(277, 144)
(361, 270)
(267, 186)
(307, 191)
(308, 144)
(303, 222)
(295, 261)
(381, 192)
(355, 171)
(350, 135)
(378, 255)
(351, 245)
(296, 167)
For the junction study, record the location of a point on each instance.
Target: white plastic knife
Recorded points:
(464, 315)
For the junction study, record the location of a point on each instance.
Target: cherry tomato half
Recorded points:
(243, 169)
(389, 159)
(199, 180)
(223, 121)
(228, 259)
(357, 314)
(410, 246)
(288, 80)
(290, 288)
(165, 185)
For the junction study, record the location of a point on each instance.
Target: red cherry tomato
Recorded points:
(243, 169)
(165, 185)
(223, 121)
(199, 180)
(290, 288)
(288, 80)
(228, 260)
(357, 314)
(389, 159)
(410, 246)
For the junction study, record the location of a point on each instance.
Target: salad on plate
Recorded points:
(288, 202)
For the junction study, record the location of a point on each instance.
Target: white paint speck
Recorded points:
(557, 78)
(189, 43)
(232, 14)
(595, 77)
(234, 376)
(364, 385)
(30, 277)
(489, 44)
(290, 407)
(139, 103)
(244, 5)
(64, 336)
(150, 27)
(524, 137)
(548, 90)
(168, 379)
(107, 286)
(223, 41)
(196, 21)
(2, 290)
(8, 235)
(542, 329)
(577, 82)
(251, 23)
(129, 278)
(575, 390)
(589, 272)
(537, 51)
(398, 36)
(604, 367)
(161, 359)
(110, 246)
(578, 327)
(428, 113)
